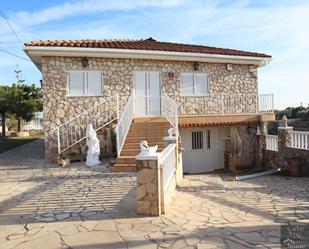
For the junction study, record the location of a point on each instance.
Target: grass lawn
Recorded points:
(13, 142)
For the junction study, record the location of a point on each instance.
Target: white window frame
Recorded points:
(85, 84)
(207, 137)
(194, 76)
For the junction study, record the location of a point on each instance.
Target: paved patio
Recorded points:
(43, 206)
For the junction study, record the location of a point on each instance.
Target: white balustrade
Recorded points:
(124, 123)
(170, 111)
(225, 104)
(266, 103)
(271, 142)
(299, 140)
(74, 130)
(168, 163)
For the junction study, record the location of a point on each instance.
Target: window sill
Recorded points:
(83, 96)
(204, 95)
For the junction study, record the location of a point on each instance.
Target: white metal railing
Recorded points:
(266, 103)
(124, 123)
(170, 111)
(271, 142)
(74, 130)
(168, 164)
(299, 140)
(225, 104)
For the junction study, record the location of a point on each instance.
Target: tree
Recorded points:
(5, 105)
(27, 101)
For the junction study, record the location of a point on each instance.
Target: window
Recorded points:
(85, 83)
(197, 140)
(194, 84)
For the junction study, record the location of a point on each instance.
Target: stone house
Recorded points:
(208, 95)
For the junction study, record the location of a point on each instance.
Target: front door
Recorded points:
(147, 93)
(203, 149)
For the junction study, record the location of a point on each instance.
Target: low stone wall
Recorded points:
(292, 161)
(152, 198)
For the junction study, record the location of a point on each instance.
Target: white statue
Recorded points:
(146, 150)
(93, 152)
(171, 132)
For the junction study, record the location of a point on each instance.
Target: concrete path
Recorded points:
(45, 206)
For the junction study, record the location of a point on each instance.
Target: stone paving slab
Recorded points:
(44, 206)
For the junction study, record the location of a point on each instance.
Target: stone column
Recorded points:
(148, 185)
(259, 152)
(283, 143)
(284, 137)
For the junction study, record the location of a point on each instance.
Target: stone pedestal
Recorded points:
(148, 185)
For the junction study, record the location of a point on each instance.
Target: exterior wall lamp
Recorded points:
(196, 66)
(171, 76)
(249, 129)
(84, 61)
(229, 67)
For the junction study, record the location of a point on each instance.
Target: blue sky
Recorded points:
(276, 27)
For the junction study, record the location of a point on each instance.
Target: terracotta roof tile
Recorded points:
(189, 125)
(147, 44)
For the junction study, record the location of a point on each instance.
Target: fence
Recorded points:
(74, 130)
(299, 140)
(170, 111)
(271, 142)
(124, 123)
(168, 165)
(226, 104)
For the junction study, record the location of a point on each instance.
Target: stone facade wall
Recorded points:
(286, 157)
(118, 78)
(249, 147)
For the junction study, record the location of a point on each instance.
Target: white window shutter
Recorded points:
(76, 84)
(187, 84)
(200, 84)
(94, 83)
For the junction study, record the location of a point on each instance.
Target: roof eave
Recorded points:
(36, 52)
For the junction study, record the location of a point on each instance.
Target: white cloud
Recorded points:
(85, 7)
(280, 29)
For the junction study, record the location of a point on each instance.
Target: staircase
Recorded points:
(130, 131)
(71, 133)
(150, 129)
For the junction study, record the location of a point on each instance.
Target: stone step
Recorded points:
(159, 134)
(150, 120)
(125, 160)
(150, 140)
(150, 129)
(134, 152)
(124, 167)
(128, 145)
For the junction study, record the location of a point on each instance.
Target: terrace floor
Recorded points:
(45, 206)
